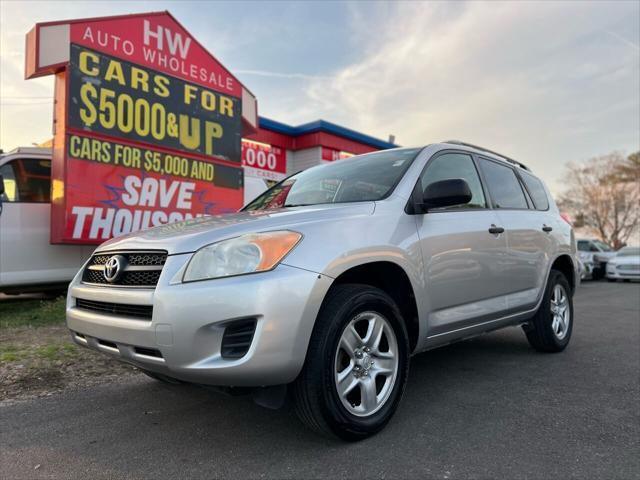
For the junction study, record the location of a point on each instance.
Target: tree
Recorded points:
(604, 192)
(629, 169)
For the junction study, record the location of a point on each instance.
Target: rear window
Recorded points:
(536, 190)
(504, 186)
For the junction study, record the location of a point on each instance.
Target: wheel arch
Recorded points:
(393, 279)
(564, 264)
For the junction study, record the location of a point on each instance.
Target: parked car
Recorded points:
(326, 284)
(28, 261)
(595, 254)
(625, 265)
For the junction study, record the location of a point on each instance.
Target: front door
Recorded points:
(463, 260)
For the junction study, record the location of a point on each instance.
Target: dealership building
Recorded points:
(278, 150)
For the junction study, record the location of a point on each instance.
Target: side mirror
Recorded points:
(446, 193)
(1, 185)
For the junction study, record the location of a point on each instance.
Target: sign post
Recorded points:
(148, 125)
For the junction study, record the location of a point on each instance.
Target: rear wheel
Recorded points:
(550, 329)
(598, 273)
(356, 366)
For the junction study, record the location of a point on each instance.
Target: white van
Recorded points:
(28, 261)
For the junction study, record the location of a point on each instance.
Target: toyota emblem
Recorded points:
(113, 268)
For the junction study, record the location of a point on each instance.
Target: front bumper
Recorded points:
(614, 273)
(188, 322)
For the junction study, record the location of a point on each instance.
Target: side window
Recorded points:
(9, 179)
(503, 184)
(27, 180)
(583, 245)
(455, 165)
(536, 190)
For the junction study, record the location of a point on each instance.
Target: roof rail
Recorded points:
(510, 160)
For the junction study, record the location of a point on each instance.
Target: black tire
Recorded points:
(612, 280)
(539, 330)
(162, 378)
(315, 395)
(598, 273)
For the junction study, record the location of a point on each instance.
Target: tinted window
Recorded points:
(455, 165)
(357, 179)
(537, 191)
(27, 180)
(583, 245)
(503, 184)
(602, 246)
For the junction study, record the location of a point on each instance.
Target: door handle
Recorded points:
(495, 230)
(546, 228)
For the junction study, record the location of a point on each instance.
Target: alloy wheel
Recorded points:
(560, 312)
(366, 363)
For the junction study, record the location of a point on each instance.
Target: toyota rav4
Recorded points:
(325, 285)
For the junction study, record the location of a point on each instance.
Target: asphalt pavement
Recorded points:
(489, 407)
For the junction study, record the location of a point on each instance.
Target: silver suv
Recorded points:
(325, 285)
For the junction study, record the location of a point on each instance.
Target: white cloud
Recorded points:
(542, 82)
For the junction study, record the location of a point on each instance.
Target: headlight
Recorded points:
(256, 252)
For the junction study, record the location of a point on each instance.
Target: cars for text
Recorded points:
(324, 286)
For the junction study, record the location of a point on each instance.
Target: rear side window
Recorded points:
(503, 184)
(27, 180)
(536, 190)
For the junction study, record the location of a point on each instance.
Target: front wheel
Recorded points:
(357, 364)
(550, 329)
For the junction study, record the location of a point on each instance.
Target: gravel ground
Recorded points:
(41, 361)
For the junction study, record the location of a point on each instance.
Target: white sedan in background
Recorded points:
(625, 265)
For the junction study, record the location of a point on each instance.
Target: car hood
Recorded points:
(626, 260)
(604, 256)
(190, 235)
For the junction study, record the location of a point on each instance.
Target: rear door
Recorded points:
(463, 260)
(529, 245)
(26, 256)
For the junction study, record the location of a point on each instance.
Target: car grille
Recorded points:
(628, 267)
(140, 269)
(119, 309)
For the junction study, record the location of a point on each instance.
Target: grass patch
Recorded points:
(52, 352)
(32, 313)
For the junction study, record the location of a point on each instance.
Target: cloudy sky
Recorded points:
(545, 82)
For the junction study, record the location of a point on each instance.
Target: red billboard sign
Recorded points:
(331, 154)
(148, 125)
(263, 160)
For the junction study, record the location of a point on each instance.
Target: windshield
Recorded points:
(358, 179)
(629, 252)
(602, 246)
